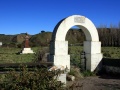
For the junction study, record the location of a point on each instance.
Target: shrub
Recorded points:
(75, 60)
(39, 56)
(87, 73)
(75, 71)
(37, 79)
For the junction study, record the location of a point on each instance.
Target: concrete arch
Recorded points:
(59, 47)
(64, 25)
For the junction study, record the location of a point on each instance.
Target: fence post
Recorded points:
(83, 61)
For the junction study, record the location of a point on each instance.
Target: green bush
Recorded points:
(75, 60)
(87, 73)
(75, 71)
(37, 79)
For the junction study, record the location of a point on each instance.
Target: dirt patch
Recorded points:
(96, 83)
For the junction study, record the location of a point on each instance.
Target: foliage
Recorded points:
(37, 79)
(75, 52)
(75, 60)
(75, 36)
(87, 73)
(41, 39)
(40, 54)
(109, 36)
(6, 38)
(75, 71)
(111, 52)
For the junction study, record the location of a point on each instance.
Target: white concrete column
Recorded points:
(93, 61)
(92, 47)
(59, 48)
(93, 54)
(63, 60)
(59, 53)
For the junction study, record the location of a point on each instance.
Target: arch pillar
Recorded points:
(93, 54)
(59, 53)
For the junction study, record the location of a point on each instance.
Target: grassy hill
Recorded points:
(19, 38)
(42, 39)
(73, 36)
(6, 38)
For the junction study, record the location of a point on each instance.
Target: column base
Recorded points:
(63, 60)
(26, 51)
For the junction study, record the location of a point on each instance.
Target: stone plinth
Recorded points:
(26, 51)
(62, 78)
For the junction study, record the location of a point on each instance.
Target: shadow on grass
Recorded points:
(110, 69)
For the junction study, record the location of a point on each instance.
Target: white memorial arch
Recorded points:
(92, 45)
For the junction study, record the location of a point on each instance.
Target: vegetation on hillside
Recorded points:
(74, 36)
(108, 37)
(41, 39)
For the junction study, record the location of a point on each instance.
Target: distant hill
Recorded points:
(107, 36)
(6, 38)
(19, 38)
(43, 39)
(75, 36)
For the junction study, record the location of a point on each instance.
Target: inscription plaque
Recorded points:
(79, 19)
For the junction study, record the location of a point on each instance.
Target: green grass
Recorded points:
(74, 52)
(9, 55)
(111, 52)
(108, 52)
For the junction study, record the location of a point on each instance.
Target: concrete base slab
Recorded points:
(62, 78)
(26, 51)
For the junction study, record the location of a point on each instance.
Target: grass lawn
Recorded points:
(111, 52)
(108, 52)
(9, 55)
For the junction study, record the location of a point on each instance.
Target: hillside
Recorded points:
(6, 38)
(43, 39)
(75, 36)
(107, 36)
(19, 38)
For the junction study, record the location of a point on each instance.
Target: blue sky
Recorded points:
(32, 16)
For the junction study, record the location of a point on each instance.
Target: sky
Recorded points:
(33, 16)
